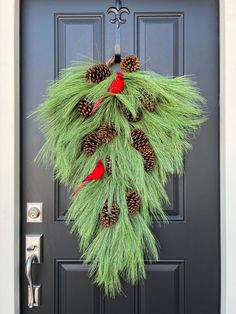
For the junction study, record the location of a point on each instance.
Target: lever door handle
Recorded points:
(28, 272)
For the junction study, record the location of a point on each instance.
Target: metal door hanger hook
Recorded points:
(118, 10)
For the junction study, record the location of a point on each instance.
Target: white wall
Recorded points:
(9, 157)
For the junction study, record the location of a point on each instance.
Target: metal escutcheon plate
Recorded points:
(34, 212)
(33, 244)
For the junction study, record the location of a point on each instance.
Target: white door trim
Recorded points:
(9, 155)
(228, 154)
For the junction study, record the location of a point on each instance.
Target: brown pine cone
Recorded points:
(133, 202)
(139, 140)
(129, 115)
(109, 217)
(149, 159)
(91, 143)
(130, 63)
(149, 105)
(84, 107)
(97, 73)
(106, 132)
(148, 101)
(108, 165)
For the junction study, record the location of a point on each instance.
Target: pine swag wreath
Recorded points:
(113, 139)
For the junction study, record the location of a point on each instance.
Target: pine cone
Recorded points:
(130, 63)
(133, 202)
(129, 115)
(148, 101)
(139, 140)
(97, 73)
(149, 159)
(91, 143)
(108, 165)
(84, 107)
(149, 105)
(109, 217)
(106, 132)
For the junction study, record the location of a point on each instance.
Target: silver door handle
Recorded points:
(28, 272)
(33, 246)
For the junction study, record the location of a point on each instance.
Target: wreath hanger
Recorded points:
(117, 10)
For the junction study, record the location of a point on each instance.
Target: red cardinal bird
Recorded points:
(97, 173)
(116, 87)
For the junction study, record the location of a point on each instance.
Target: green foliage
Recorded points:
(118, 252)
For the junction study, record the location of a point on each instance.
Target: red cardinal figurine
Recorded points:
(116, 87)
(97, 173)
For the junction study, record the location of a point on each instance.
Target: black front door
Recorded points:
(172, 38)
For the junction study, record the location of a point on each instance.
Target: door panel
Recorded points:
(172, 38)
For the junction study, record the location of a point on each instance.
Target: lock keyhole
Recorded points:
(34, 212)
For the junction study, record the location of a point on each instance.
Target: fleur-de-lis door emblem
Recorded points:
(118, 10)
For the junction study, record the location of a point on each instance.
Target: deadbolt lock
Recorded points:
(34, 212)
